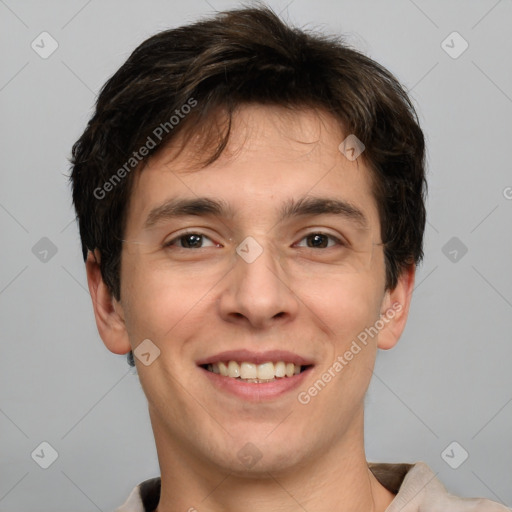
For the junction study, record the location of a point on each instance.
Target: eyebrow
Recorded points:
(181, 207)
(304, 206)
(323, 206)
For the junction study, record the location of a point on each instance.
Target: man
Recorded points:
(251, 207)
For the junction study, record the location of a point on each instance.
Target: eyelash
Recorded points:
(170, 243)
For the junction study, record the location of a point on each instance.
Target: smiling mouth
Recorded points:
(256, 373)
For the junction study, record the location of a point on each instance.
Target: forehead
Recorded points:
(274, 155)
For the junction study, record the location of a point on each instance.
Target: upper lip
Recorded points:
(255, 357)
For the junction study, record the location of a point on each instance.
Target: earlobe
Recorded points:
(395, 309)
(109, 315)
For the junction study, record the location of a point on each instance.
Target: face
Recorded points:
(253, 276)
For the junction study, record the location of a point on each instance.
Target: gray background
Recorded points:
(448, 379)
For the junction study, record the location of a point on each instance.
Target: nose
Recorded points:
(257, 292)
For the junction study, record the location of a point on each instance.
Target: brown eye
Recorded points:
(190, 241)
(319, 241)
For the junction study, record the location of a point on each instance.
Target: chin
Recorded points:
(256, 456)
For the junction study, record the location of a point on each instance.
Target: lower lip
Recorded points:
(256, 392)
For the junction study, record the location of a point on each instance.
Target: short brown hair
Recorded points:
(237, 57)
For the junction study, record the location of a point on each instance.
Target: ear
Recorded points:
(395, 309)
(108, 312)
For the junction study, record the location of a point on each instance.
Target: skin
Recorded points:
(196, 302)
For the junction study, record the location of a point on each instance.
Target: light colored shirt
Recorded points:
(415, 485)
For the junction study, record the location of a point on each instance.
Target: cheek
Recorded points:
(160, 301)
(348, 306)
(345, 304)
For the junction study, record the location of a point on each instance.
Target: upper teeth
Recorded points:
(265, 371)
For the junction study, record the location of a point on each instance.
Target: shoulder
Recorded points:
(143, 498)
(418, 489)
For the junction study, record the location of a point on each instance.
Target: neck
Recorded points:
(337, 479)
